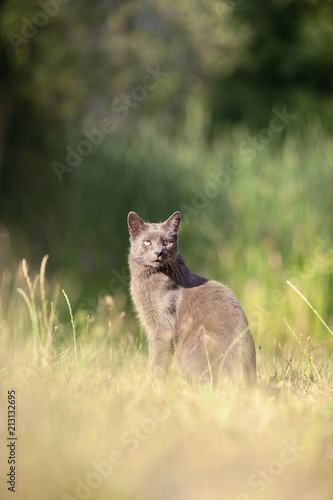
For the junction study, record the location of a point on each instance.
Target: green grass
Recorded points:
(87, 415)
(261, 227)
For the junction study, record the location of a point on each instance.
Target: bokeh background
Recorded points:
(220, 109)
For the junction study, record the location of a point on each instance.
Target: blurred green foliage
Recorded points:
(191, 89)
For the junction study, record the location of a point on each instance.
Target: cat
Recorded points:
(193, 324)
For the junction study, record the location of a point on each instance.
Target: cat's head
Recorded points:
(153, 245)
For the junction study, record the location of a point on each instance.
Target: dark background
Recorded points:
(226, 66)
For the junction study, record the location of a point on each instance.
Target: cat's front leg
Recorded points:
(160, 355)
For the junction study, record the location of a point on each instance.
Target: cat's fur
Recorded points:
(193, 324)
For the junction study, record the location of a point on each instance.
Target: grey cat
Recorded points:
(193, 324)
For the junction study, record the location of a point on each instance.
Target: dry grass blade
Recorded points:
(231, 346)
(311, 307)
(25, 269)
(27, 301)
(302, 348)
(52, 314)
(72, 323)
(207, 356)
(42, 292)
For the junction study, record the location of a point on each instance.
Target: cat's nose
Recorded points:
(160, 252)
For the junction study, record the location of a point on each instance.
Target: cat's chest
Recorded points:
(157, 300)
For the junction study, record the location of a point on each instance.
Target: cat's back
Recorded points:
(211, 309)
(211, 304)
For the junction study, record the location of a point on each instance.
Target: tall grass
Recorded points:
(262, 225)
(90, 425)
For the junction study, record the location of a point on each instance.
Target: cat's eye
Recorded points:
(147, 243)
(166, 242)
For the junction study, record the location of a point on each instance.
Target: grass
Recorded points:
(90, 425)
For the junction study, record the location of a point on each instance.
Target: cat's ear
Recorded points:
(135, 224)
(173, 222)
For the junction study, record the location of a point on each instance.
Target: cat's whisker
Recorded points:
(174, 267)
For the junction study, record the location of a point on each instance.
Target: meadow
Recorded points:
(219, 109)
(89, 425)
